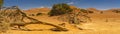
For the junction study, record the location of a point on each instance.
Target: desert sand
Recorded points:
(106, 23)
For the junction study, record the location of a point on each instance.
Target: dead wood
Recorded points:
(14, 16)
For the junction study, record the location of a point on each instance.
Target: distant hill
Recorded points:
(94, 10)
(45, 10)
(37, 10)
(112, 10)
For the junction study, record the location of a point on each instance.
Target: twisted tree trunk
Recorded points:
(15, 16)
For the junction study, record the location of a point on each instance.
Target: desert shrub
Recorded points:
(116, 11)
(59, 9)
(90, 11)
(31, 15)
(101, 12)
(38, 14)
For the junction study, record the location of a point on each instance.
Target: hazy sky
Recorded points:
(99, 4)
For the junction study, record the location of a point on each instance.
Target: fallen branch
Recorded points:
(16, 16)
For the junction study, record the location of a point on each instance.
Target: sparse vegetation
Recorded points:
(75, 17)
(101, 12)
(38, 14)
(59, 9)
(116, 11)
(90, 11)
(62, 18)
(31, 14)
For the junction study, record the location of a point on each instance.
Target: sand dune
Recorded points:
(106, 23)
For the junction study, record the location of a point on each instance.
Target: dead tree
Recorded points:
(13, 16)
(75, 17)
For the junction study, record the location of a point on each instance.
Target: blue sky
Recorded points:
(99, 4)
